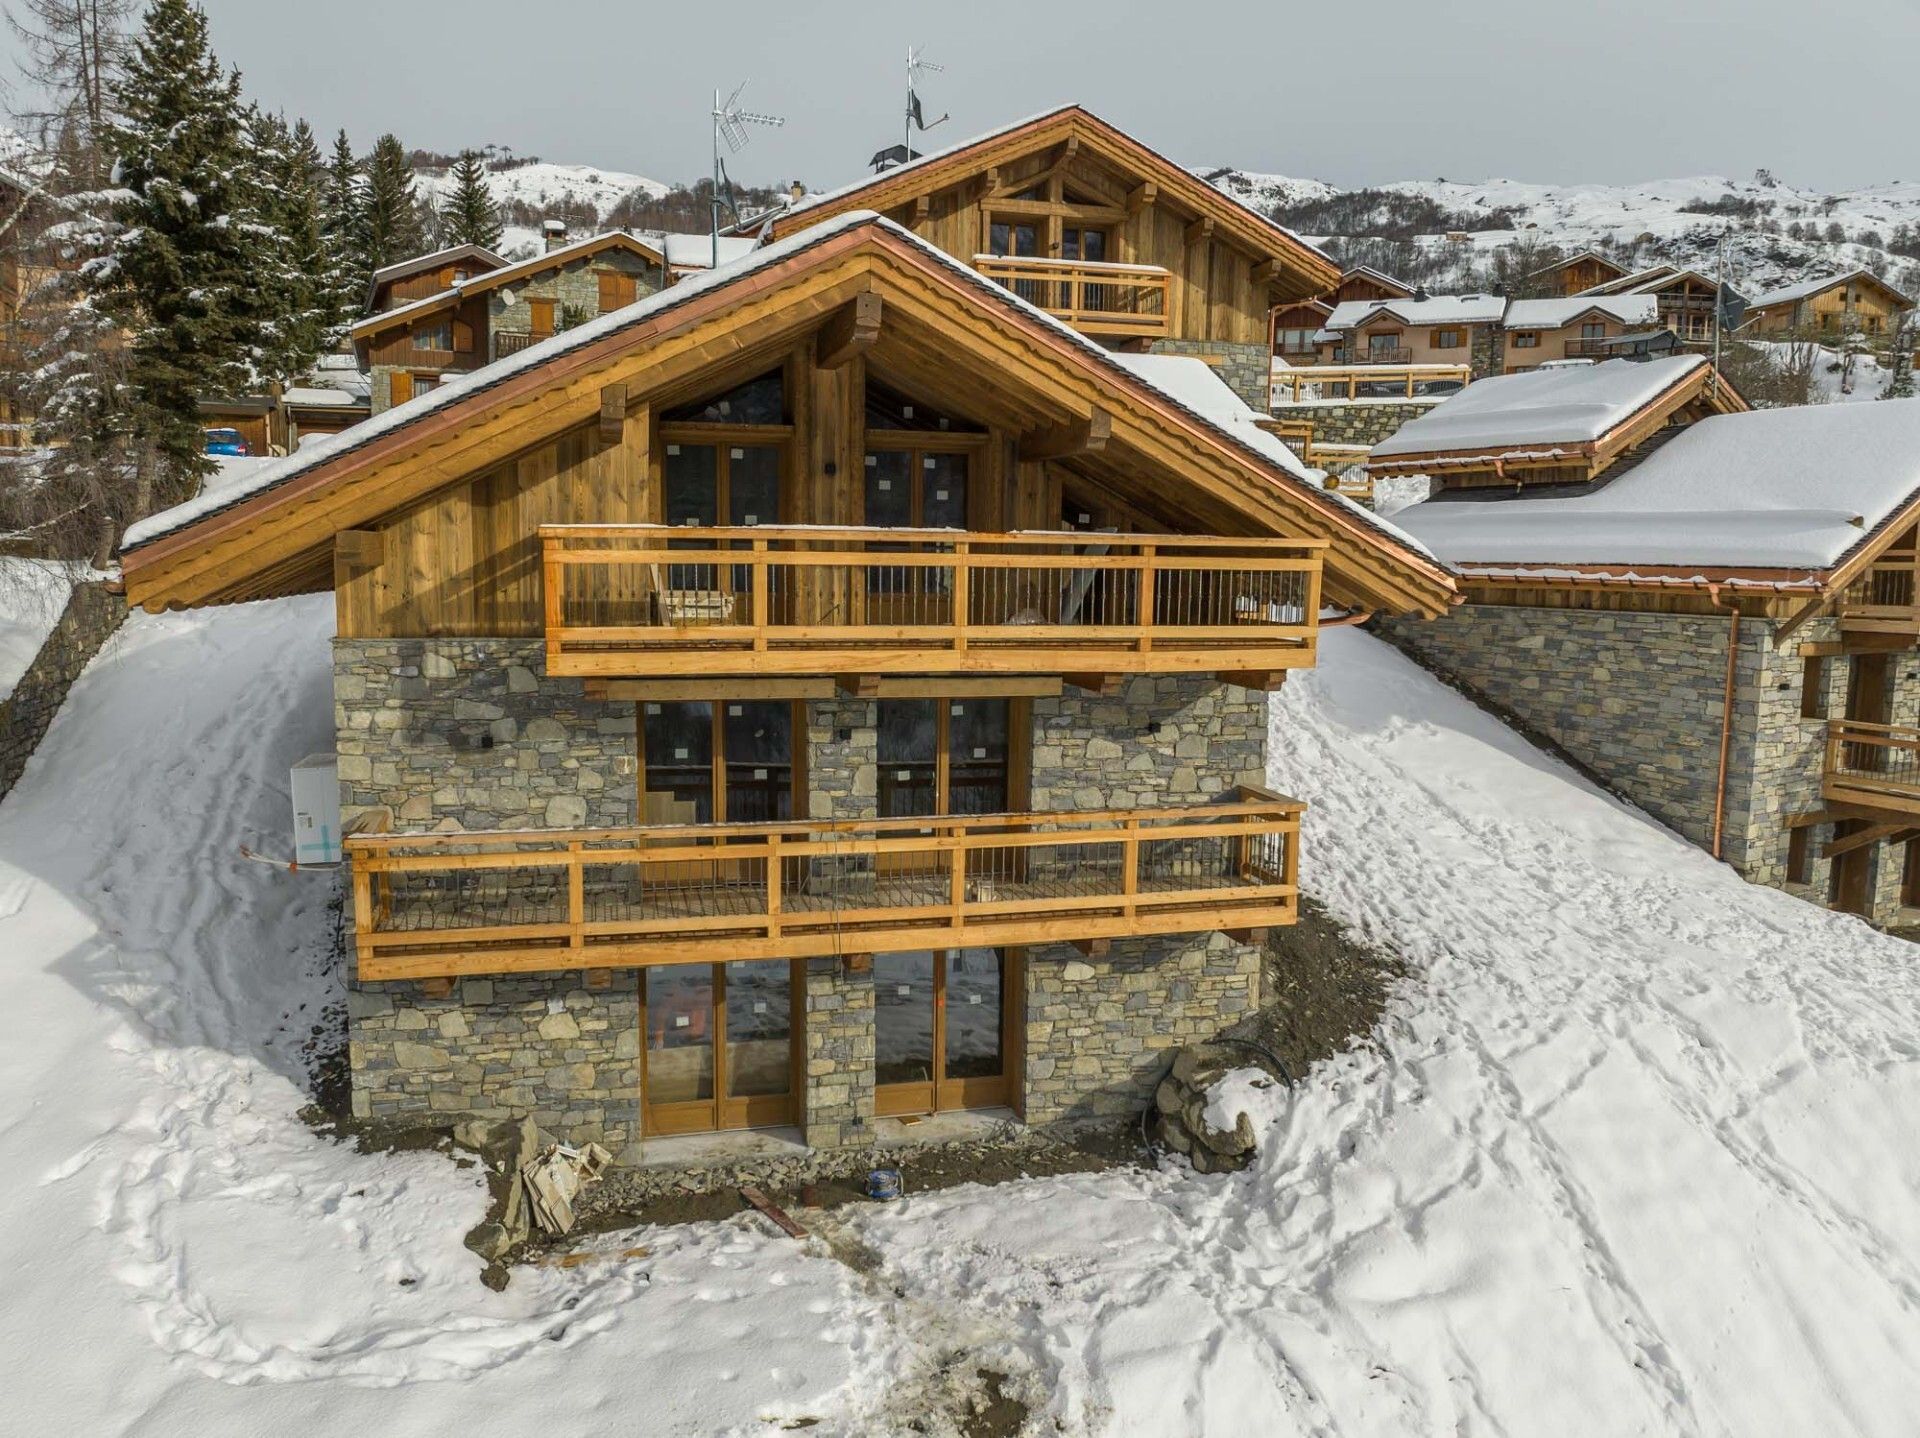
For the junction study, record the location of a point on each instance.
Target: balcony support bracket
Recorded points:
(1892, 833)
(851, 331)
(1264, 681)
(1107, 686)
(1063, 441)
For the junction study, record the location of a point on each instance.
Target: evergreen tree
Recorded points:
(281, 203)
(182, 265)
(469, 215)
(394, 230)
(344, 231)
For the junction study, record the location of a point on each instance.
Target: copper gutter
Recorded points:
(1357, 616)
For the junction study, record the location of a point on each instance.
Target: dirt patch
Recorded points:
(1323, 989)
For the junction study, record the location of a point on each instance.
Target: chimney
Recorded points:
(796, 192)
(555, 231)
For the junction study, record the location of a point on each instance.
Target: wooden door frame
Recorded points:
(939, 1094)
(717, 761)
(721, 1114)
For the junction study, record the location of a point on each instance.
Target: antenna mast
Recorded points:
(730, 123)
(915, 64)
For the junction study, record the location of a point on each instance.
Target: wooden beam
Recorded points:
(1263, 272)
(1200, 229)
(1833, 813)
(599, 978)
(922, 207)
(659, 690)
(1093, 948)
(439, 988)
(1262, 680)
(1038, 686)
(360, 548)
(1871, 835)
(859, 686)
(1141, 196)
(849, 332)
(613, 412)
(1082, 436)
(1107, 686)
(1253, 937)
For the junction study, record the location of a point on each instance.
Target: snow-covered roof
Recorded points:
(1807, 289)
(325, 398)
(1368, 272)
(1539, 408)
(1556, 313)
(1437, 310)
(695, 252)
(1177, 385)
(1789, 488)
(399, 269)
(1196, 385)
(1571, 260)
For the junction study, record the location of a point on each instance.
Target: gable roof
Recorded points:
(1378, 277)
(1542, 416)
(190, 554)
(400, 269)
(1557, 314)
(1571, 260)
(899, 185)
(1807, 289)
(1435, 310)
(1730, 492)
(1623, 283)
(507, 274)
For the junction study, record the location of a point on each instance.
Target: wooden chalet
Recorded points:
(1684, 299)
(1297, 328)
(1577, 273)
(1364, 282)
(455, 325)
(824, 691)
(1856, 303)
(1555, 428)
(1094, 227)
(1537, 332)
(1722, 628)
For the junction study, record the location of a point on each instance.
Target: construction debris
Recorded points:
(554, 1178)
(773, 1211)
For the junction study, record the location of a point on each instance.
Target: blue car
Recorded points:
(227, 441)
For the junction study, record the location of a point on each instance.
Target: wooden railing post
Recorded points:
(760, 598)
(773, 885)
(957, 879)
(1144, 617)
(961, 595)
(576, 895)
(1130, 867)
(552, 598)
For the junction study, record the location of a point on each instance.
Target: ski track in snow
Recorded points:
(1635, 1153)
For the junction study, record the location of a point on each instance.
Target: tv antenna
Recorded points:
(730, 123)
(917, 62)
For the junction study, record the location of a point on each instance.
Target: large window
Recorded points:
(733, 761)
(434, 335)
(1447, 339)
(1526, 339)
(719, 1045)
(941, 1029)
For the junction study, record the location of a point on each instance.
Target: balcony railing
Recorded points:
(1098, 298)
(510, 342)
(1886, 598)
(650, 599)
(1367, 381)
(1591, 349)
(1877, 765)
(444, 905)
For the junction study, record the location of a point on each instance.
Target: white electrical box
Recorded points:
(315, 782)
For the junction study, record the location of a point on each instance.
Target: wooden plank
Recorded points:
(661, 690)
(1076, 437)
(772, 1210)
(613, 411)
(1013, 686)
(360, 549)
(851, 331)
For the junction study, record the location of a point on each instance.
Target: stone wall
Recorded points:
(837, 1106)
(1165, 739)
(1488, 354)
(1247, 370)
(88, 620)
(471, 734)
(541, 1044)
(575, 286)
(1362, 421)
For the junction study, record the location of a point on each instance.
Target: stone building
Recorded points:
(1717, 620)
(830, 693)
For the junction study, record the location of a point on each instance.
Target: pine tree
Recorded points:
(394, 231)
(343, 232)
(469, 215)
(281, 207)
(181, 267)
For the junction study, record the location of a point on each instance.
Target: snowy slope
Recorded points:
(1637, 1153)
(542, 186)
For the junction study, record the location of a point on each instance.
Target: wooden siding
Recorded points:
(396, 347)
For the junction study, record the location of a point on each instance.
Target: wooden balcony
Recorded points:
(444, 905)
(1366, 381)
(1102, 299)
(1886, 598)
(1596, 349)
(1876, 766)
(510, 342)
(643, 600)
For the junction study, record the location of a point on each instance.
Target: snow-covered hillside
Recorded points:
(542, 186)
(1652, 222)
(1637, 1152)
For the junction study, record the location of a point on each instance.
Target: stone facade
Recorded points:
(1247, 370)
(1488, 354)
(1362, 421)
(1639, 699)
(89, 618)
(471, 734)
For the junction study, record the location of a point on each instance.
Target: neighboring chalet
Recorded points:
(1538, 332)
(1684, 299)
(334, 395)
(1092, 226)
(1296, 327)
(828, 690)
(460, 324)
(1441, 329)
(1578, 273)
(1723, 631)
(1856, 303)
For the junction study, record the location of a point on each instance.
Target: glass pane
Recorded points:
(903, 1017)
(909, 745)
(999, 236)
(753, 485)
(973, 1014)
(679, 742)
(889, 497)
(758, 740)
(888, 409)
(977, 756)
(1093, 246)
(691, 497)
(759, 1028)
(943, 487)
(758, 401)
(679, 1033)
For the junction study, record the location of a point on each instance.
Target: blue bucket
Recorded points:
(883, 1184)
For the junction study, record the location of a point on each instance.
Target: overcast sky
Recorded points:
(1349, 92)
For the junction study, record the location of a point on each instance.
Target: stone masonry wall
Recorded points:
(471, 734)
(1366, 421)
(837, 1106)
(1488, 353)
(543, 1045)
(576, 285)
(1247, 370)
(1637, 698)
(88, 620)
